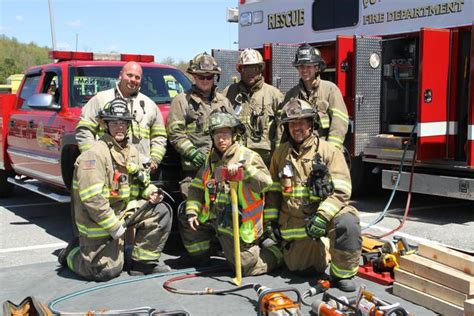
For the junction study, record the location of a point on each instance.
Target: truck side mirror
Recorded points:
(42, 101)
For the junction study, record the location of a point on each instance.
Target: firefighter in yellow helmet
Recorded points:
(208, 208)
(187, 121)
(256, 103)
(110, 184)
(309, 200)
(323, 95)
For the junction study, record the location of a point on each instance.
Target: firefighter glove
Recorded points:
(316, 226)
(320, 180)
(197, 158)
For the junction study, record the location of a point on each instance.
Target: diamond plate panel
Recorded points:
(367, 92)
(226, 59)
(284, 75)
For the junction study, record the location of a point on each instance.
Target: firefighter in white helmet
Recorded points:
(256, 103)
(309, 200)
(323, 95)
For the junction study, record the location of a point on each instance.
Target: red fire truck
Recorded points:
(37, 137)
(405, 70)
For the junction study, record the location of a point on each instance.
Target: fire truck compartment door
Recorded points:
(284, 75)
(226, 59)
(368, 78)
(432, 126)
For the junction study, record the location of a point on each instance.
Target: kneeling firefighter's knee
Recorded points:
(348, 233)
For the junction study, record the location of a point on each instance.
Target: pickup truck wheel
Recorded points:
(6, 188)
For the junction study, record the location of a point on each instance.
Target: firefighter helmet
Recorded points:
(219, 119)
(296, 109)
(203, 63)
(115, 110)
(250, 57)
(308, 55)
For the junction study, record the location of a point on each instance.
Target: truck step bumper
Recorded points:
(40, 188)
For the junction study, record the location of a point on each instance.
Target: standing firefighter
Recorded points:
(187, 121)
(309, 199)
(208, 208)
(256, 103)
(323, 95)
(147, 131)
(110, 184)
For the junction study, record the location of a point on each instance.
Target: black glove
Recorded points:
(271, 235)
(319, 179)
(316, 226)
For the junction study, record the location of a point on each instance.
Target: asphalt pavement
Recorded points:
(33, 229)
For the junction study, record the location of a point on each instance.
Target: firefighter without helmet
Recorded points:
(203, 63)
(308, 55)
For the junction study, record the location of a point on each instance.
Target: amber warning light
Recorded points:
(69, 55)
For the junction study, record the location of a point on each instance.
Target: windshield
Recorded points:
(159, 84)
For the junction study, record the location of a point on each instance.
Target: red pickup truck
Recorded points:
(37, 127)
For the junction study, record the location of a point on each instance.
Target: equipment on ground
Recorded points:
(223, 174)
(273, 302)
(378, 266)
(364, 303)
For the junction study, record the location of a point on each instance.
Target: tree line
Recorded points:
(16, 57)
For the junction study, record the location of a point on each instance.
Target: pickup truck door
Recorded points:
(47, 130)
(19, 128)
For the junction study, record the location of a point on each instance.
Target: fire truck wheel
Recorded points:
(6, 188)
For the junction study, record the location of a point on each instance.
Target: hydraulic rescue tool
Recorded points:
(271, 302)
(364, 303)
(378, 266)
(223, 174)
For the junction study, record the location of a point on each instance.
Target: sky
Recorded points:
(179, 29)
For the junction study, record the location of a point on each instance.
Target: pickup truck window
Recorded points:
(29, 88)
(85, 82)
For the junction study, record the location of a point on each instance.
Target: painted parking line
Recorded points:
(19, 249)
(30, 204)
(407, 236)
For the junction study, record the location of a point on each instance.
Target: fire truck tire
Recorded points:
(363, 180)
(6, 188)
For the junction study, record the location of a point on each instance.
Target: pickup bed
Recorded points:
(37, 144)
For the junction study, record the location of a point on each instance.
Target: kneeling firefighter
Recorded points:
(110, 184)
(309, 200)
(208, 207)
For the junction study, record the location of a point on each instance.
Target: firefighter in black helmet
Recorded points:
(323, 95)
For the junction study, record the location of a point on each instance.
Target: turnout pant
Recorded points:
(102, 259)
(343, 251)
(255, 259)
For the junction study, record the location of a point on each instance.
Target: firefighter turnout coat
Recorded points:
(291, 202)
(147, 132)
(257, 109)
(210, 201)
(326, 98)
(100, 203)
(187, 122)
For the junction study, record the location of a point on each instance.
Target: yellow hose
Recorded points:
(235, 225)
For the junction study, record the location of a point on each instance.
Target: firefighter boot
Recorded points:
(62, 256)
(142, 268)
(345, 285)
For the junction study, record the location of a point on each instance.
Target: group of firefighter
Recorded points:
(293, 193)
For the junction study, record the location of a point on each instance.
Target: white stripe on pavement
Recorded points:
(18, 249)
(408, 236)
